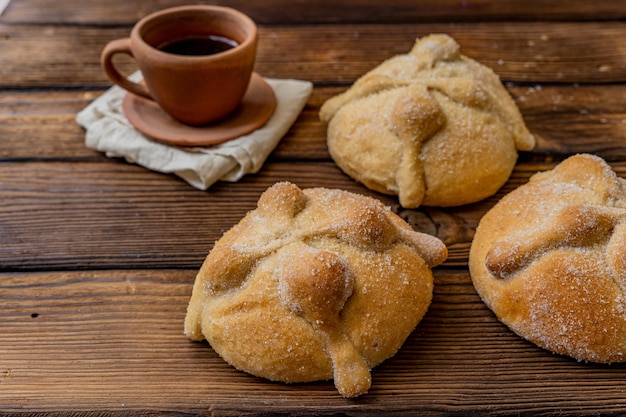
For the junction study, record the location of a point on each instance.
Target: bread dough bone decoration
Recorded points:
(550, 260)
(432, 126)
(314, 284)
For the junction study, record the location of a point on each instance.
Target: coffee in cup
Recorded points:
(196, 61)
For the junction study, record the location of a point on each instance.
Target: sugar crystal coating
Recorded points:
(314, 284)
(432, 126)
(550, 260)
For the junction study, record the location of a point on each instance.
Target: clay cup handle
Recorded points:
(121, 46)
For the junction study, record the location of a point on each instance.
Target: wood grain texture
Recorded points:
(566, 119)
(64, 215)
(561, 52)
(294, 12)
(111, 342)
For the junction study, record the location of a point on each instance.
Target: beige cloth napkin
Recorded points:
(108, 130)
(3, 5)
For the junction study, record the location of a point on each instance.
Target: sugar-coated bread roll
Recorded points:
(314, 284)
(550, 260)
(432, 126)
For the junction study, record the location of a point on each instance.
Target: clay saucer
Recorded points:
(255, 110)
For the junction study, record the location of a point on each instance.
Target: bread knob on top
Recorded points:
(550, 260)
(432, 126)
(314, 284)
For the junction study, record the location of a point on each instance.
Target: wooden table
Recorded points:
(98, 256)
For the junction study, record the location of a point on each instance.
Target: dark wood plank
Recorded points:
(66, 215)
(102, 215)
(111, 343)
(566, 119)
(361, 11)
(575, 119)
(527, 52)
(43, 125)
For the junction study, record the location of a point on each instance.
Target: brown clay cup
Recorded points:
(193, 89)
